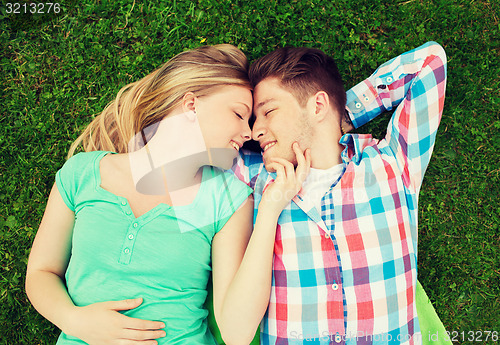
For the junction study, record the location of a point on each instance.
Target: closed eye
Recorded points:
(241, 117)
(268, 112)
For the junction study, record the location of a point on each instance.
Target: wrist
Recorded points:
(270, 208)
(70, 321)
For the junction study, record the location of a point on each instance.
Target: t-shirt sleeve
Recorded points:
(68, 178)
(232, 194)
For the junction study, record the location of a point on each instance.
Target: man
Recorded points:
(345, 255)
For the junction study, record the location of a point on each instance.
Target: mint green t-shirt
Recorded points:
(164, 256)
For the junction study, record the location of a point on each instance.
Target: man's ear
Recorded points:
(319, 105)
(189, 102)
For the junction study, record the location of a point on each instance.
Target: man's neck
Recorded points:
(326, 150)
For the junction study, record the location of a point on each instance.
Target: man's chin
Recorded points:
(271, 169)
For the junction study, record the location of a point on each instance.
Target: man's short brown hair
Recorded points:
(303, 72)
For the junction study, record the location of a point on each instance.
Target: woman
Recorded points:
(102, 240)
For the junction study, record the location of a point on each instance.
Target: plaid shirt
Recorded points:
(347, 274)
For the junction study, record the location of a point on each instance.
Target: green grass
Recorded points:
(59, 70)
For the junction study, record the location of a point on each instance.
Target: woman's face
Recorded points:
(223, 117)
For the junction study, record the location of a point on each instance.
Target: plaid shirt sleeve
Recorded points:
(247, 167)
(414, 83)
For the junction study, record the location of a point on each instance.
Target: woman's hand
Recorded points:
(288, 181)
(99, 323)
(102, 323)
(238, 272)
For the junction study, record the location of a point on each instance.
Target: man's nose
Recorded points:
(258, 130)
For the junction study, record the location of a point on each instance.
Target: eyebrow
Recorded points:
(263, 103)
(246, 106)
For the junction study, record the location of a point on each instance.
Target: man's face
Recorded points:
(279, 121)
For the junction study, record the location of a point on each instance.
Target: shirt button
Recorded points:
(358, 105)
(130, 237)
(327, 235)
(335, 287)
(389, 79)
(128, 212)
(366, 99)
(124, 203)
(135, 225)
(126, 251)
(338, 338)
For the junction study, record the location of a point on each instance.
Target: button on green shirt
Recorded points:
(164, 256)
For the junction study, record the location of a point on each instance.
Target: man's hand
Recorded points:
(346, 123)
(102, 323)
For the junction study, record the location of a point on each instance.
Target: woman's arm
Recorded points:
(97, 323)
(241, 292)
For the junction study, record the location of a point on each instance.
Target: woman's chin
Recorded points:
(223, 157)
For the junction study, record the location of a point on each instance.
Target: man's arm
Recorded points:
(414, 83)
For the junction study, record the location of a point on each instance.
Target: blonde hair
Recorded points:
(147, 101)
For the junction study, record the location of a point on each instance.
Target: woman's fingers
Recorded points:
(299, 155)
(130, 322)
(140, 324)
(289, 179)
(133, 334)
(303, 162)
(125, 304)
(295, 175)
(286, 166)
(103, 323)
(279, 168)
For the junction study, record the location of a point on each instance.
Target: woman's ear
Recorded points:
(188, 102)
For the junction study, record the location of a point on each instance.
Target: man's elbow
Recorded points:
(437, 50)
